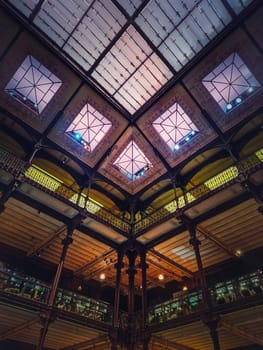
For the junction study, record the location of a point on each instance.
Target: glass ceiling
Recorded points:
(132, 162)
(33, 84)
(175, 127)
(181, 29)
(131, 71)
(89, 127)
(130, 55)
(231, 83)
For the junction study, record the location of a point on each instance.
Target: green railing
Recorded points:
(30, 288)
(181, 305)
(186, 303)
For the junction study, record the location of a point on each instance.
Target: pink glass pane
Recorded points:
(132, 162)
(33, 84)
(231, 82)
(89, 127)
(174, 126)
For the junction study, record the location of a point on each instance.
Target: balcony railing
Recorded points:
(55, 187)
(186, 303)
(182, 304)
(32, 289)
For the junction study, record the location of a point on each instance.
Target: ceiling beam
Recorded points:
(163, 269)
(241, 332)
(170, 344)
(46, 242)
(94, 261)
(203, 217)
(172, 263)
(87, 343)
(22, 326)
(209, 235)
(100, 269)
(58, 216)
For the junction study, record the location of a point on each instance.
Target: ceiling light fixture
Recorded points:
(238, 252)
(102, 276)
(161, 277)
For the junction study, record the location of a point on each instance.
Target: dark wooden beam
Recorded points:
(172, 263)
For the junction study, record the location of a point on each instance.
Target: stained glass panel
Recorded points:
(231, 83)
(132, 162)
(33, 84)
(175, 127)
(89, 127)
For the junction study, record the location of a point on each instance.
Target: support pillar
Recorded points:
(212, 325)
(131, 254)
(195, 244)
(116, 310)
(208, 320)
(48, 317)
(18, 174)
(144, 289)
(145, 338)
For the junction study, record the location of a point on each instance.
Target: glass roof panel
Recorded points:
(132, 70)
(59, 18)
(82, 28)
(89, 127)
(175, 127)
(25, 6)
(231, 82)
(33, 84)
(239, 5)
(130, 6)
(92, 34)
(132, 162)
(182, 28)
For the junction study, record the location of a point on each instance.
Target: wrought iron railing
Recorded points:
(210, 186)
(57, 188)
(30, 288)
(186, 303)
(12, 164)
(181, 305)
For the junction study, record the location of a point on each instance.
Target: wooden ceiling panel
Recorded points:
(81, 252)
(63, 334)
(239, 228)
(24, 227)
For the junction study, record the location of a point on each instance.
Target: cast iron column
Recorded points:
(18, 177)
(144, 266)
(212, 325)
(131, 254)
(47, 317)
(196, 243)
(208, 320)
(116, 311)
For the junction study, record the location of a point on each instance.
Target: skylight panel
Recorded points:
(181, 31)
(231, 83)
(130, 6)
(58, 18)
(83, 29)
(33, 84)
(25, 6)
(129, 68)
(132, 162)
(239, 5)
(89, 127)
(175, 127)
